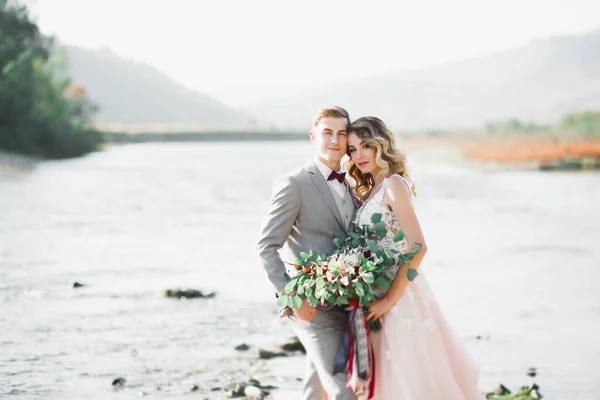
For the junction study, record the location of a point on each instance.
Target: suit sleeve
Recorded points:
(284, 208)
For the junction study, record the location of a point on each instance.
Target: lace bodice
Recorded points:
(376, 205)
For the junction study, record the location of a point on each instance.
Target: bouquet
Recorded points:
(359, 271)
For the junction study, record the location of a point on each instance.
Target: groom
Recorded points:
(308, 206)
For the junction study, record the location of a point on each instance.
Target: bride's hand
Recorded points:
(379, 308)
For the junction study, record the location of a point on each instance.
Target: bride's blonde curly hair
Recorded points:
(375, 134)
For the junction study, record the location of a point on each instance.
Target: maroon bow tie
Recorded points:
(334, 175)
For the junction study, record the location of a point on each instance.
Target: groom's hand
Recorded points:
(306, 312)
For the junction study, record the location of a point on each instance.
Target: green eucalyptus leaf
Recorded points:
(297, 302)
(291, 285)
(282, 300)
(319, 271)
(398, 236)
(376, 217)
(383, 282)
(371, 266)
(379, 226)
(290, 301)
(337, 242)
(320, 284)
(360, 290)
(368, 277)
(300, 290)
(329, 297)
(340, 235)
(355, 242)
(412, 274)
(312, 300)
(342, 300)
(372, 246)
(415, 250)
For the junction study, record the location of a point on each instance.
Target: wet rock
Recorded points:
(534, 391)
(253, 382)
(242, 347)
(236, 389)
(188, 294)
(293, 344)
(78, 285)
(253, 392)
(267, 355)
(119, 382)
(252, 389)
(525, 393)
(499, 391)
(532, 372)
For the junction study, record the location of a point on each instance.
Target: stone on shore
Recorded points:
(188, 294)
(267, 355)
(293, 344)
(254, 393)
(252, 389)
(530, 392)
(118, 382)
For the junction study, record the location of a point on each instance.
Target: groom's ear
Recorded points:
(311, 134)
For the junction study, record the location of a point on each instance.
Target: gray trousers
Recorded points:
(322, 338)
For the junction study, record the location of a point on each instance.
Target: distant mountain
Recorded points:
(130, 92)
(540, 81)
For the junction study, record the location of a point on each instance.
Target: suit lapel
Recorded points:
(354, 199)
(321, 184)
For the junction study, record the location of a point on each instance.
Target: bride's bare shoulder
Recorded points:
(397, 184)
(396, 188)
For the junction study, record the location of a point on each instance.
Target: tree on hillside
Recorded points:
(35, 115)
(585, 124)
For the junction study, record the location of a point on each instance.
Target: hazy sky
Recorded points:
(246, 50)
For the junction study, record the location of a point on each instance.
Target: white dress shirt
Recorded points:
(339, 187)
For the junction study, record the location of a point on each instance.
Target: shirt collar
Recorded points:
(324, 169)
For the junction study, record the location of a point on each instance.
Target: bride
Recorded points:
(417, 355)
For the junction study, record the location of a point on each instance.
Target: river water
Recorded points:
(514, 259)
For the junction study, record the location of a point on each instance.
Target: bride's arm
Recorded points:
(397, 197)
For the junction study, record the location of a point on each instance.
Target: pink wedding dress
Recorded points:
(417, 354)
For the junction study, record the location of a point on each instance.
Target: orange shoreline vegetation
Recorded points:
(512, 148)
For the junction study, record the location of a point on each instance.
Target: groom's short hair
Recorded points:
(331, 112)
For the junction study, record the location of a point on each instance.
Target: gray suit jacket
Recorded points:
(303, 216)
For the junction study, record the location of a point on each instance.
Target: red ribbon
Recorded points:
(352, 362)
